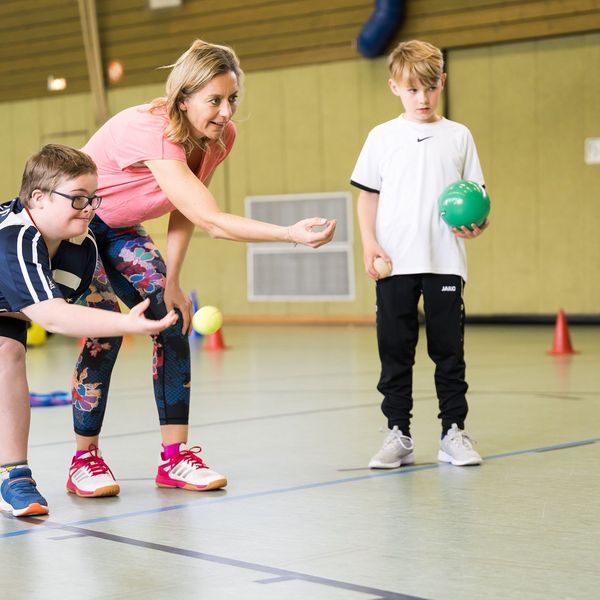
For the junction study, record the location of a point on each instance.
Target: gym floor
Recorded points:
(291, 416)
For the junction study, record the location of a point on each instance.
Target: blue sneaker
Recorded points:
(19, 495)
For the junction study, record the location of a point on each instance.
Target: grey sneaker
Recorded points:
(397, 450)
(457, 448)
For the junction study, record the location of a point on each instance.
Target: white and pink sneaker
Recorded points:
(183, 468)
(90, 477)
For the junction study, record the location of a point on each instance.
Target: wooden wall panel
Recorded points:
(39, 38)
(43, 37)
(530, 106)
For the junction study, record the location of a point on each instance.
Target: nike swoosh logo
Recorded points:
(423, 139)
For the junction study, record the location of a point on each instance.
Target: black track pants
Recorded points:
(397, 335)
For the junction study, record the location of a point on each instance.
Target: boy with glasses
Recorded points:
(48, 260)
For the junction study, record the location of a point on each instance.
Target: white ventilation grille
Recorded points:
(281, 272)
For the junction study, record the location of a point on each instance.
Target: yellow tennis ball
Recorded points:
(383, 267)
(207, 320)
(36, 335)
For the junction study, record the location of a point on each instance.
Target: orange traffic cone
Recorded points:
(214, 341)
(562, 340)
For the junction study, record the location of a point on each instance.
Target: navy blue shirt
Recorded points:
(27, 275)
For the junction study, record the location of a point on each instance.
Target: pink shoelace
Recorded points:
(191, 456)
(94, 462)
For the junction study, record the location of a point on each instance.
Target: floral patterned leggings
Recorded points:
(131, 268)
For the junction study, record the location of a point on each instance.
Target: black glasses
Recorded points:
(81, 202)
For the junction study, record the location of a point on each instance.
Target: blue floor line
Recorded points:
(45, 524)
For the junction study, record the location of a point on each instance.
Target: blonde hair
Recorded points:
(191, 72)
(416, 61)
(44, 170)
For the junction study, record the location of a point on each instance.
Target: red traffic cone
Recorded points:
(562, 340)
(214, 341)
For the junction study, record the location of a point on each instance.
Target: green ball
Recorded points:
(463, 203)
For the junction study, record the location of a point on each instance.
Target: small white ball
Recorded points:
(383, 267)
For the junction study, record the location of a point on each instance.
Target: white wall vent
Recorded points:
(282, 272)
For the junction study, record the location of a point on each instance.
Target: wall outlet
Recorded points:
(592, 151)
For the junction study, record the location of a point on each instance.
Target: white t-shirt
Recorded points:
(409, 164)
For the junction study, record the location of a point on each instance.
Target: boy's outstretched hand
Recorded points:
(140, 324)
(469, 234)
(312, 232)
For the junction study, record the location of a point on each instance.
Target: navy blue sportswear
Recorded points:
(27, 275)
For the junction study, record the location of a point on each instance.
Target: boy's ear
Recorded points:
(394, 87)
(35, 200)
(443, 79)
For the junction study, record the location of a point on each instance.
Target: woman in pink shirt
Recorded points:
(152, 160)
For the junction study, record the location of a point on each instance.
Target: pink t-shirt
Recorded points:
(130, 194)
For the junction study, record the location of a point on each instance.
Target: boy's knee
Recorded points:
(12, 351)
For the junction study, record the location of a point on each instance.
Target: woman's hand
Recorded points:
(140, 324)
(175, 297)
(313, 232)
(469, 234)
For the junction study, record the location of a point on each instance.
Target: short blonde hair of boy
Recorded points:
(416, 61)
(54, 162)
(191, 72)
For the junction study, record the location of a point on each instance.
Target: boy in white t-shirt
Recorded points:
(401, 171)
